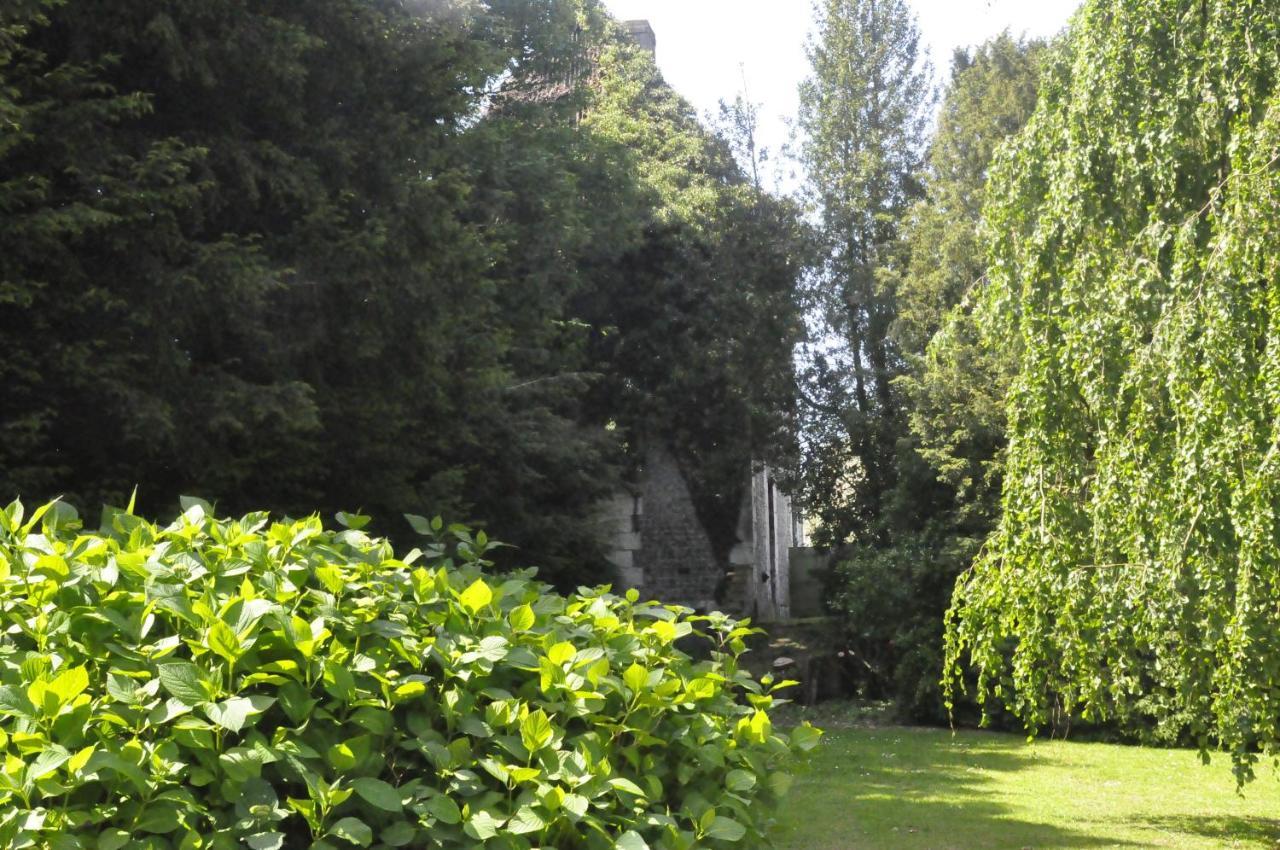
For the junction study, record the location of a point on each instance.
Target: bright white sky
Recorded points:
(705, 46)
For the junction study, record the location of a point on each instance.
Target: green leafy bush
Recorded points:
(891, 602)
(229, 683)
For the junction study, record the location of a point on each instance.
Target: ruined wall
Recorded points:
(809, 570)
(643, 35)
(675, 551)
(619, 524)
(772, 537)
(659, 547)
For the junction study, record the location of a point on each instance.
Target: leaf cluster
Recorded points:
(220, 683)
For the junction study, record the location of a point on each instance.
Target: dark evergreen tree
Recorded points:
(376, 255)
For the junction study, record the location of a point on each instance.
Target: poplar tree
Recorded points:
(892, 592)
(863, 117)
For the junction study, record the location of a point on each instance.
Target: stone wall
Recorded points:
(659, 546)
(809, 570)
(675, 551)
(642, 34)
(773, 535)
(619, 524)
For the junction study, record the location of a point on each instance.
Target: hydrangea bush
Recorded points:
(228, 683)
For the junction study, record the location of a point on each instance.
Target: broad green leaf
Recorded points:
(726, 829)
(47, 762)
(77, 762)
(562, 653)
(265, 840)
(69, 684)
(122, 688)
(378, 793)
(536, 730)
(399, 834)
(332, 579)
(636, 678)
(576, 804)
(223, 641)
(232, 714)
(664, 630)
(113, 839)
(476, 597)
(631, 840)
(624, 784)
(482, 825)
(353, 830)
(522, 618)
(525, 820)
(422, 525)
(740, 780)
(185, 681)
(352, 521)
(701, 688)
(444, 809)
(805, 737)
(409, 690)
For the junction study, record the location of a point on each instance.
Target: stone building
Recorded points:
(642, 34)
(659, 546)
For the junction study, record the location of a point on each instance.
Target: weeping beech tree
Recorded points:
(1135, 267)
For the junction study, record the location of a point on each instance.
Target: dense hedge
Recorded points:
(227, 683)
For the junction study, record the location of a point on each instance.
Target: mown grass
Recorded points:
(925, 789)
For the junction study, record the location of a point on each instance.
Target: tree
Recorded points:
(1133, 234)
(892, 593)
(375, 255)
(863, 116)
(696, 322)
(954, 386)
(251, 265)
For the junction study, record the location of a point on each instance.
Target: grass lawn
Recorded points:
(925, 789)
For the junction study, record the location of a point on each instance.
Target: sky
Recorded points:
(711, 49)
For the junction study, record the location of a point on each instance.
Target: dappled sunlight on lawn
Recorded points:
(927, 789)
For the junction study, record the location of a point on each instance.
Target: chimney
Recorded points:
(642, 34)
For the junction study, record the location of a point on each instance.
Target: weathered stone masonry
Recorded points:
(659, 546)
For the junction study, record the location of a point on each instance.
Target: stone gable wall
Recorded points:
(659, 546)
(675, 552)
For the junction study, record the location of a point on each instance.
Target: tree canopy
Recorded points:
(426, 257)
(921, 520)
(1133, 269)
(863, 115)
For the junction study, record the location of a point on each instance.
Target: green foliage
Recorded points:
(384, 254)
(957, 381)
(937, 498)
(863, 114)
(1134, 246)
(699, 317)
(891, 600)
(219, 683)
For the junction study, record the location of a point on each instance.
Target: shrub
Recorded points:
(228, 683)
(891, 602)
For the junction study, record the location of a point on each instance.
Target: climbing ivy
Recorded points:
(1134, 242)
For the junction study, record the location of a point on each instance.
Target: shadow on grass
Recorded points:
(916, 790)
(1241, 828)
